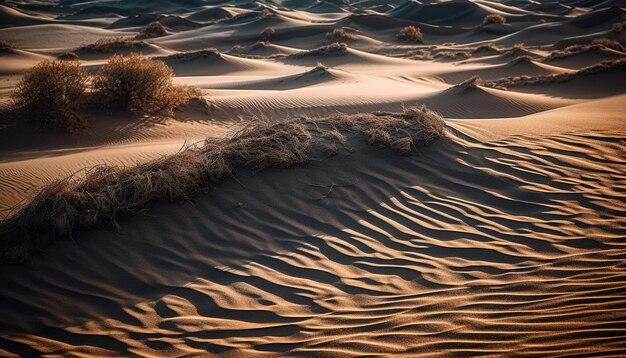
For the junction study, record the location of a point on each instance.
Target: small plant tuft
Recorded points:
(494, 19)
(336, 35)
(153, 30)
(410, 34)
(268, 33)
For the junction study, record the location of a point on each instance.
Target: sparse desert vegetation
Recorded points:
(332, 50)
(104, 192)
(599, 46)
(410, 34)
(112, 45)
(494, 19)
(453, 55)
(153, 30)
(136, 83)
(338, 35)
(268, 33)
(7, 47)
(50, 93)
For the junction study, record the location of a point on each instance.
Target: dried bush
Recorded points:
(50, 93)
(135, 83)
(104, 192)
(210, 53)
(419, 55)
(332, 50)
(608, 43)
(7, 47)
(336, 35)
(493, 19)
(410, 34)
(454, 55)
(468, 84)
(599, 46)
(268, 33)
(618, 27)
(153, 30)
(111, 45)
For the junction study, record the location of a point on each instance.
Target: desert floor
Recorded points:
(507, 237)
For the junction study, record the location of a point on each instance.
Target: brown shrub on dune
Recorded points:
(111, 45)
(336, 35)
(410, 34)
(517, 81)
(608, 43)
(494, 19)
(332, 50)
(209, 53)
(104, 192)
(454, 55)
(7, 47)
(50, 94)
(135, 83)
(268, 33)
(468, 85)
(153, 30)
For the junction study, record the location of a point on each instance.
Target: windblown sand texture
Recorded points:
(505, 238)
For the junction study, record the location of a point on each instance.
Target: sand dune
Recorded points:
(506, 238)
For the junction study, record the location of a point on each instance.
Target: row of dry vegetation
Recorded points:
(104, 192)
(517, 81)
(52, 92)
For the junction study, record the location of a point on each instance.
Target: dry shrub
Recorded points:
(135, 83)
(210, 53)
(485, 50)
(468, 84)
(111, 45)
(618, 27)
(7, 47)
(454, 55)
(50, 94)
(422, 55)
(336, 35)
(493, 19)
(268, 33)
(410, 34)
(612, 44)
(332, 50)
(105, 192)
(153, 30)
(517, 81)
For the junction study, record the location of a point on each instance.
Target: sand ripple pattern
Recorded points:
(511, 247)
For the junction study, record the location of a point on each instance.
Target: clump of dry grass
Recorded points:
(518, 81)
(102, 193)
(410, 34)
(468, 85)
(268, 33)
(135, 83)
(111, 45)
(419, 54)
(494, 19)
(454, 55)
(153, 30)
(337, 35)
(332, 50)
(50, 94)
(599, 45)
(489, 49)
(210, 53)
(7, 47)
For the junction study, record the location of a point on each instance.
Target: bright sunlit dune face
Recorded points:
(312, 178)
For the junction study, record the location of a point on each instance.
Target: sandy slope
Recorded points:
(506, 238)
